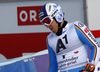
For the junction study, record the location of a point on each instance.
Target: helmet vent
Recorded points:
(50, 8)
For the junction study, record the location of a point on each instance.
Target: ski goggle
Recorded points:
(47, 21)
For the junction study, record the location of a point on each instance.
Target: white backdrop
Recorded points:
(93, 9)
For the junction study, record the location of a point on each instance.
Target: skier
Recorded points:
(67, 43)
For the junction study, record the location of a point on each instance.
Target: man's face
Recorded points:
(53, 27)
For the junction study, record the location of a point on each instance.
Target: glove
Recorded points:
(88, 68)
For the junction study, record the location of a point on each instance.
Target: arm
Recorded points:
(87, 37)
(53, 67)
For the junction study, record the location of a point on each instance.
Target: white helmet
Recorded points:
(51, 10)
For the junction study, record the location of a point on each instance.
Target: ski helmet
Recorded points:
(50, 11)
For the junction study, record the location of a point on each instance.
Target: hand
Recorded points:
(88, 68)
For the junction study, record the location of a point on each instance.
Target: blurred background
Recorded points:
(23, 37)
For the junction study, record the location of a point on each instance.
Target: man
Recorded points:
(67, 42)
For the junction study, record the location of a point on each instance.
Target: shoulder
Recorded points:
(78, 24)
(75, 24)
(50, 35)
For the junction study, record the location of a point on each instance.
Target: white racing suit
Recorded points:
(68, 52)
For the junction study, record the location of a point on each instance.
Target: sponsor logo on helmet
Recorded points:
(57, 13)
(54, 13)
(41, 14)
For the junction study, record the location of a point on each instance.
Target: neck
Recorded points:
(60, 27)
(62, 23)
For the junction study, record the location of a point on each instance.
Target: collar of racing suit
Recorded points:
(60, 28)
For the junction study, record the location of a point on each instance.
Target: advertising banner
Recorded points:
(20, 28)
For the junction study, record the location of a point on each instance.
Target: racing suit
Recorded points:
(68, 51)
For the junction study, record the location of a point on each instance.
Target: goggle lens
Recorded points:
(46, 21)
